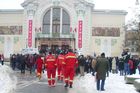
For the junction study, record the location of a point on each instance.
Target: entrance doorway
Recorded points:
(54, 48)
(65, 47)
(43, 49)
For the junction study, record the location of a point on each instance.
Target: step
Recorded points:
(129, 79)
(137, 84)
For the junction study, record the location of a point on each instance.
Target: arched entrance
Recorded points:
(56, 31)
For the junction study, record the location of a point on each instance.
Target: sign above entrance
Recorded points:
(80, 28)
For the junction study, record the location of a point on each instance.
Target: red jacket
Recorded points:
(50, 62)
(39, 62)
(60, 60)
(130, 62)
(71, 60)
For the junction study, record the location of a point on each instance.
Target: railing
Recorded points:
(55, 35)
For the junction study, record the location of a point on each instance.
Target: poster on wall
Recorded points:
(10, 30)
(106, 31)
(80, 28)
(30, 33)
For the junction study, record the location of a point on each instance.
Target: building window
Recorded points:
(65, 23)
(57, 19)
(46, 23)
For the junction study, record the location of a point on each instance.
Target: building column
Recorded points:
(51, 22)
(61, 20)
(31, 9)
(80, 9)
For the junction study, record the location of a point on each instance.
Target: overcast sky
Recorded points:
(99, 4)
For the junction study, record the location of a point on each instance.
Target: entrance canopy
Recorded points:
(29, 51)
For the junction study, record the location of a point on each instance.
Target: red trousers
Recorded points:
(69, 75)
(60, 73)
(51, 73)
(39, 70)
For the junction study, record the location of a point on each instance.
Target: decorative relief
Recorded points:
(98, 41)
(16, 39)
(80, 8)
(31, 8)
(10, 30)
(2, 40)
(106, 31)
(113, 42)
(56, 2)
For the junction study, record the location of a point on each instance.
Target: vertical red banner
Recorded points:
(30, 33)
(80, 28)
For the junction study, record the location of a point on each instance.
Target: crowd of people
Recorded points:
(68, 64)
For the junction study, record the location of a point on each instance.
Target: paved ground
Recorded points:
(30, 84)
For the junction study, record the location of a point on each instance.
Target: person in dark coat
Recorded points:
(121, 66)
(13, 61)
(101, 69)
(81, 62)
(87, 64)
(22, 63)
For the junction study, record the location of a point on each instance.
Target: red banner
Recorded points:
(80, 28)
(30, 33)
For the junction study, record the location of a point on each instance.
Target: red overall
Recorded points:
(69, 70)
(60, 66)
(39, 63)
(51, 69)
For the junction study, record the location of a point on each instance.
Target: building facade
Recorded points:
(51, 24)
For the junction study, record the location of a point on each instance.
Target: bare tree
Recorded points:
(133, 29)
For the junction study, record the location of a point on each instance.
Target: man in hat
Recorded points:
(101, 69)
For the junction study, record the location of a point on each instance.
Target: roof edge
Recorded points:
(11, 10)
(108, 11)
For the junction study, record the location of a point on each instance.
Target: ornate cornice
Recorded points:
(30, 6)
(25, 3)
(56, 2)
(80, 8)
(87, 3)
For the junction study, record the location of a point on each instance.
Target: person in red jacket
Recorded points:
(50, 64)
(60, 66)
(70, 63)
(131, 66)
(39, 64)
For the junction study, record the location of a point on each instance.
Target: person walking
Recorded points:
(101, 69)
(50, 64)
(114, 65)
(60, 66)
(81, 63)
(2, 59)
(13, 61)
(39, 63)
(121, 66)
(71, 63)
(22, 63)
(93, 65)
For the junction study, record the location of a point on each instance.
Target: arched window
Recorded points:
(46, 23)
(56, 20)
(65, 23)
